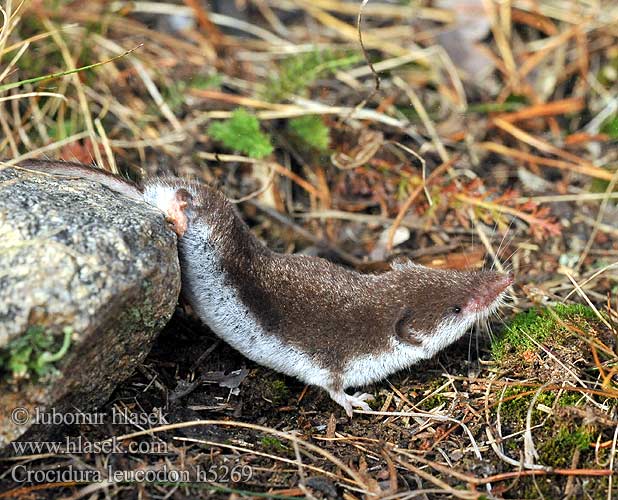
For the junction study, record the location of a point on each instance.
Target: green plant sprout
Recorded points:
(32, 353)
(311, 131)
(242, 133)
(297, 73)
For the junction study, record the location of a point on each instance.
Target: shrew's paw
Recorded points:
(358, 400)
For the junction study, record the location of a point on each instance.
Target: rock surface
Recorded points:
(74, 254)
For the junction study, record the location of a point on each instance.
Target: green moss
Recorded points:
(297, 73)
(515, 410)
(557, 440)
(310, 131)
(558, 450)
(272, 443)
(32, 353)
(537, 325)
(432, 397)
(278, 391)
(242, 133)
(570, 398)
(433, 402)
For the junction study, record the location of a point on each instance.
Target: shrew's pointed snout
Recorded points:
(490, 289)
(503, 282)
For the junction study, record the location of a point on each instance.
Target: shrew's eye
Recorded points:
(455, 309)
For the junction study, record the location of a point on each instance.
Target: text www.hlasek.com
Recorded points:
(77, 445)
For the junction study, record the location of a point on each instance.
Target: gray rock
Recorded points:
(74, 254)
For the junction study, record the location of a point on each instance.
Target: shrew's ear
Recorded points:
(183, 198)
(401, 263)
(403, 327)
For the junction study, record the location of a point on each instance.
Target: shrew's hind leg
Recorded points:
(358, 400)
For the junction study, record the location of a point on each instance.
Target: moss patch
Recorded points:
(558, 450)
(278, 391)
(535, 326)
(517, 400)
(271, 443)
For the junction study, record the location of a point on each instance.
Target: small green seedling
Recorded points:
(242, 133)
(311, 131)
(32, 353)
(297, 73)
(272, 443)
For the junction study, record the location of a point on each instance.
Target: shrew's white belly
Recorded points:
(371, 368)
(219, 306)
